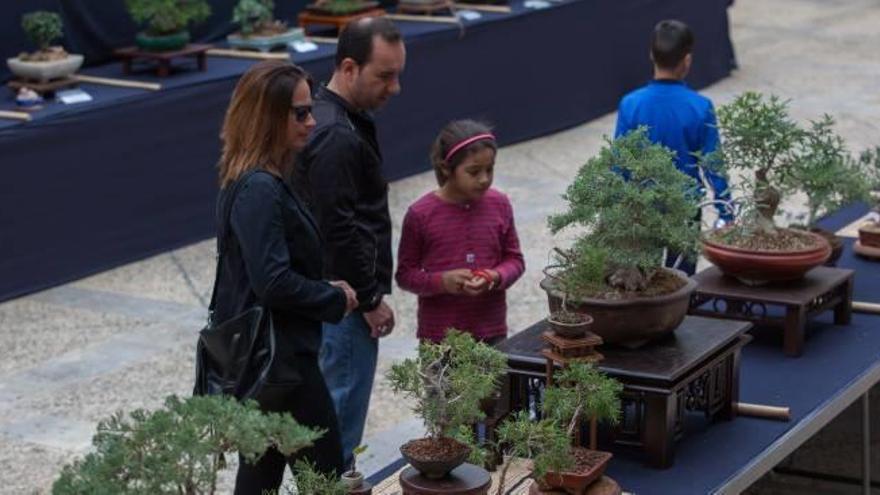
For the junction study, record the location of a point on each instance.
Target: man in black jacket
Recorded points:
(341, 172)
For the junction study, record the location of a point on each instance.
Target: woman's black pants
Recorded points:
(310, 404)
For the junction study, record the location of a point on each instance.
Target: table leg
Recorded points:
(793, 332)
(164, 68)
(126, 65)
(843, 310)
(202, 60)
(659, 434)
(729, 410)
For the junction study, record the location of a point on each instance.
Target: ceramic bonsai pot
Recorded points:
(570, 329)
(265, 43)
(760, 267)
(452, 454)
(590, 466)
(869, 235)
(836, 243)
(632, 321)
(352, 480)
(162, 43)
(45, 71)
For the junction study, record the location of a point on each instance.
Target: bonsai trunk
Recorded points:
(767, 200)
(629, 279)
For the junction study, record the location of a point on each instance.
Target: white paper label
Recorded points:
(536, 4)
(72, 96)
(468, 15)
(303, 46)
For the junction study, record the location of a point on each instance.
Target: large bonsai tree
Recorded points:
(164, 17)
(632, 203)
(178, 449)
(448, 380)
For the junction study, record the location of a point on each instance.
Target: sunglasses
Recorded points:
(301, 113)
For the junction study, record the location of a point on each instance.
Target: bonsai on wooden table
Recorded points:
(632, 205)
(166, 22)
(868, 244)
(259, 28)
(50, 62)
(447, 381)
(579, 391)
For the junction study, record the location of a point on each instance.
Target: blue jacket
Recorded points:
(680, 119)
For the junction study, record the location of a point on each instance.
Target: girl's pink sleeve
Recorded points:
(512, 263)
(410, 275)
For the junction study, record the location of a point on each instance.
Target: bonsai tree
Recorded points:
(824, 171)
(310, 480)
(256, 18)
(632, 204)
(165, 17)
(869, 162)
(580, 391)
(353, 478)
(179, 448)
(447, 381)
(43, 28)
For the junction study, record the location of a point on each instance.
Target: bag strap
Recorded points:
(222, 234)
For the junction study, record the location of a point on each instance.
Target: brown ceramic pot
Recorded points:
(435, 468)
(869, 235)
(571, 330)
(630, 322)
(761, 267)
(578, 482)
(835, 241)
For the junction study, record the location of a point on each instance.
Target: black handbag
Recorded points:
(234, 357)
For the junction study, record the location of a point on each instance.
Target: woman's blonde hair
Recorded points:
(254, 130)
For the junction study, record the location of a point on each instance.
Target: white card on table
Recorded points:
(303, 46)
(70, 96)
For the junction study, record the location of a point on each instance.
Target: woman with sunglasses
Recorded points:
(270, 253)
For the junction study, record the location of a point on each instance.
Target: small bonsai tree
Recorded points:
(163, 17)
(632, 203)
(824, 171)
(43, 28)
(256, 18)
(869, 162)
(447, 381)
(579, 391)
(309, 480)
(179, 448)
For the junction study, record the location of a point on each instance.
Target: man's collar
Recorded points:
(668, 81)
(328, 93)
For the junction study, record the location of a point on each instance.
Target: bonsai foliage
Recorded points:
(824, 171)
(360, 449)
(580, 391)
(309, 480)
(167, 16)
(253, 15)
(178, 449)
(869, 163)
(632, 202)
(42, 28)
(448, 380)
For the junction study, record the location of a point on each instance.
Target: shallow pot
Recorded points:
(760, 267)
(835, 241)
(571, 330)
(435, 468)
(162, 43)
(869, 235)
(630, 322)
(265, 43)
(352, 480)
(577, 482)
(45, 71)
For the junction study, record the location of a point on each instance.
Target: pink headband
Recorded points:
(472, 139)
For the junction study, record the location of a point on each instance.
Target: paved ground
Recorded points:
(125, 338)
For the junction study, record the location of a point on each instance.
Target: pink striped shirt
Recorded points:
(439, 236)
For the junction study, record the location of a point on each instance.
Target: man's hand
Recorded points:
(351, 301)
(380, 320)
(455, 280)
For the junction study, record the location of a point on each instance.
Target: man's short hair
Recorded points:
(356, 40)
(672, 41)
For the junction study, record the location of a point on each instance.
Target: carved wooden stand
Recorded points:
(438, 7)
(602, 486)
(696, 370)
(822, 289)
(309, 19)
(43, 88)
(466, 479)
(163, 59)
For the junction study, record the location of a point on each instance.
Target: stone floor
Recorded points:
(124, 338)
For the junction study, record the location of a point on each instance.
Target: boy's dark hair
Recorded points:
(356, 40)
(671, 42)
(453, 133)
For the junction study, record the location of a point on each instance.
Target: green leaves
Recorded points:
(167, 16)
(250, 14)
(448, 380)
(631, 202)
(42, 27)
(179, 448)
(310, 480)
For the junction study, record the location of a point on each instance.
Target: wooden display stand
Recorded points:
(43, 88)
(694, 370)
(163, 59)
(822, 289)
(563, 351)
(437, 7)
(308, 19)
(466, 479)
(603, 486)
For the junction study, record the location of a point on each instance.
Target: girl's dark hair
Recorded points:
(452, 134)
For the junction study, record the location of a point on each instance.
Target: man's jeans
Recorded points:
(348, 362)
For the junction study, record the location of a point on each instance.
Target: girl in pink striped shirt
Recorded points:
(459, 251)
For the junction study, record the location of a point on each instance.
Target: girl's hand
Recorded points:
(454, 280)
(481, 281)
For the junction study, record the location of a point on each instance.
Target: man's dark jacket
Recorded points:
(272, 257)
(341, 173)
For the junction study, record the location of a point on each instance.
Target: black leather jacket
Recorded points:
(273, 257)
(340, 173)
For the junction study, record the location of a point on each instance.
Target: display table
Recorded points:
(822, 289)
(163, 59)
(696, 369)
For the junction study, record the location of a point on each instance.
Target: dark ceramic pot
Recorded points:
(162, 43)
(435, 468)
(761, 267)
(630, 322)
(571, 330)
